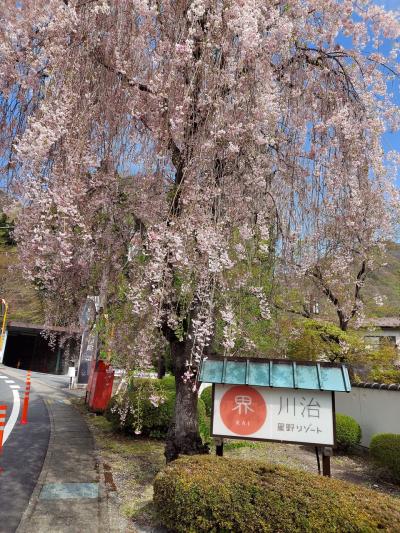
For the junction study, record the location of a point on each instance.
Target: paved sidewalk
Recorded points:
(69, 496)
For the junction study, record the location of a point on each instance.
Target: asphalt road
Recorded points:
(23, 453)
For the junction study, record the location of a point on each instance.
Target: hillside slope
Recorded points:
(384, 283)
(22, 298)
(381, 293)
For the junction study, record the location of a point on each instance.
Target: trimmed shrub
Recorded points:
(385, 449)
(168, 382)
(348, 432)
(204, 421)
(208, 493)
(206, 396)
(146, 409)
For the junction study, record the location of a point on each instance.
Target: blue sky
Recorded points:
(389, 4)
(391, 141)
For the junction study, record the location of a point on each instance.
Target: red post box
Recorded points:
(101, 386)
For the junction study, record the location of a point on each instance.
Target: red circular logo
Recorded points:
(243, 410)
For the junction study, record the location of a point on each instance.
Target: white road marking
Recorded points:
(3, 377)
(13, 417)
(15, 387)
(9, 381)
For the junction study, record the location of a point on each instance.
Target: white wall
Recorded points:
(384, 332)
(376, 410)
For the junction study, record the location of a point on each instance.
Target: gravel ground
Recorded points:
(357, 469)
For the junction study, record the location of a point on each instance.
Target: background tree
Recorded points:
(347, 247)
(231, 116)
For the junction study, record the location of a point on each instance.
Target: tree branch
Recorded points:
(121, 75)
(305, 313)
(343, 319)
(362, 274)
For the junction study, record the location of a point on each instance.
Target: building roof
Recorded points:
(380, 386)
(383, 322)
(275, 373)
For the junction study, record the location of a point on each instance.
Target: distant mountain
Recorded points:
(22, 298)
(381, 292)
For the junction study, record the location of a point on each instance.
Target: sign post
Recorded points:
(326, 461)
(280, 400)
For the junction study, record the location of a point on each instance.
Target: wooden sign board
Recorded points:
(263, 413)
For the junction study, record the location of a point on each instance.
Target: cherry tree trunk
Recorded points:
(183, 436)
(343, 321)
(161, 367)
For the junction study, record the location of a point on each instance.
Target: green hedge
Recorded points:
(348, 432)
(133, 413)
(206, 396)
(168, 382)
(385, 449)
(208, 493)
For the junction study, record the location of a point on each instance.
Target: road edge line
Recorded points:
(12, 420)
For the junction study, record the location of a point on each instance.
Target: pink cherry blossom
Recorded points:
(154, 151)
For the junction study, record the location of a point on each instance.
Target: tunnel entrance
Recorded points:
(26, 348)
